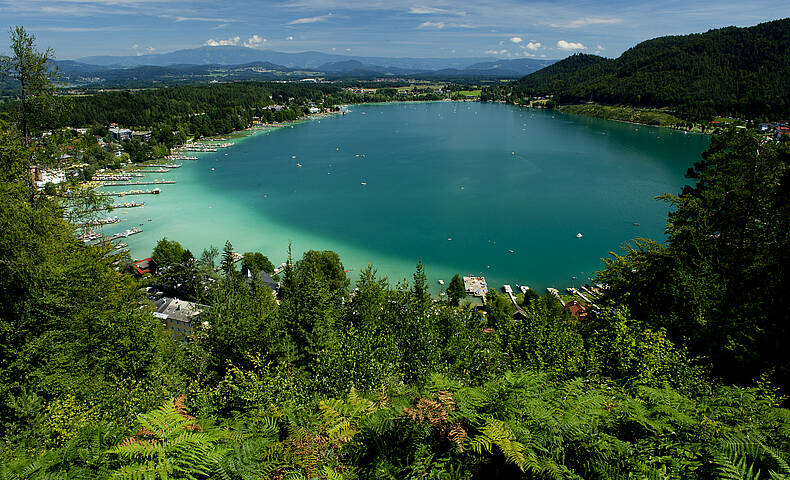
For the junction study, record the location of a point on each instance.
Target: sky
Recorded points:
(389, 28)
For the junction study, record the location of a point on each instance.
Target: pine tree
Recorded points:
(227, 258)
(456, 290)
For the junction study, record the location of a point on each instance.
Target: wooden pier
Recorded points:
(509, 290)
(155, 191)
(155, 182)
(556, 294)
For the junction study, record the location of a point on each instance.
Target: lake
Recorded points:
(470, 188)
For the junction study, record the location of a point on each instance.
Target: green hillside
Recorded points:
(742, 72)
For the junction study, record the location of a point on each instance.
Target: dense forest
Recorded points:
(204, 110)
(741, 72)
(682, 374)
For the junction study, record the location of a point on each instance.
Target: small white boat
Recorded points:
(579, 235)
(441, 282)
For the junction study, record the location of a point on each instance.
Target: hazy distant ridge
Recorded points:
(231, 55)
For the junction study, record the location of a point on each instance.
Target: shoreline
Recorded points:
(696, 127)
(236, 137)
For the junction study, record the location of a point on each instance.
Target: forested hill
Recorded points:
(742, 72)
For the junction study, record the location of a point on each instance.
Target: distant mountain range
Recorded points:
(240, 63)
(234, 55)
(728, 71)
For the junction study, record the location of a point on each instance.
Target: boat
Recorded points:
(579, 235)
(511, 251)
(441, 282)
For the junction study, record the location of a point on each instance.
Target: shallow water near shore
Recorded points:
(469, 188)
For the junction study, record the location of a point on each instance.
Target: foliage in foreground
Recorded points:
(382, 382)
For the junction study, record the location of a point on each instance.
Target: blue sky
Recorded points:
(418, 28)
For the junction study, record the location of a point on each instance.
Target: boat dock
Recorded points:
(575, 291)
(556, 294)
(116, 176)
(155, 191)
(93, 238)
(154, 182)
(128, 205)
(590, 292)
(509, 290)
(476, 286)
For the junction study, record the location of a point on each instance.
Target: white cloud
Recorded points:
(199, 19)
(516, 39)
(496, 52)
(254, 41)
(221, 43)
(438, 25)
(563, 45)
(587, 21)
(418, 10)
(599, 49)
(290, 37)
(320, 18)
(139, 47)
(426, 10)
(534, 46)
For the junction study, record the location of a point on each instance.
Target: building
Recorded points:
(141, 267)
(178, 316)
(120, 134)
(44, 176)
(577, 309)
(267, 280)
(142, 136)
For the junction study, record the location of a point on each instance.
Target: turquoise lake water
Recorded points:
(458, 185)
